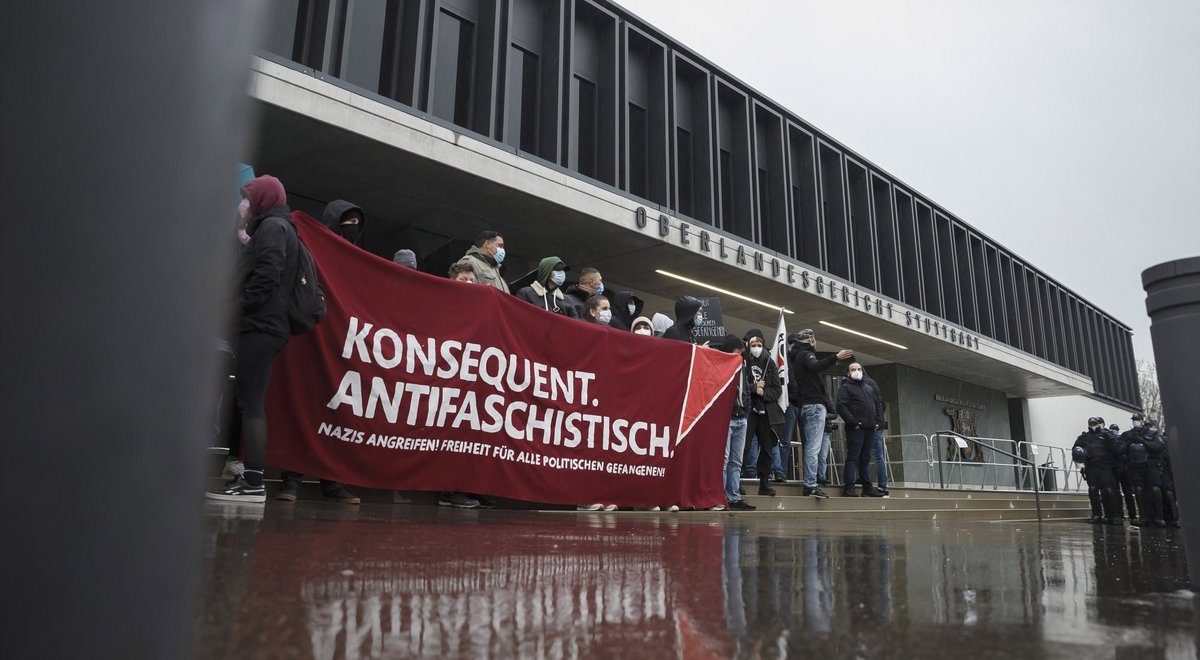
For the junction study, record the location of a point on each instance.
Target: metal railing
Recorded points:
(992, 467)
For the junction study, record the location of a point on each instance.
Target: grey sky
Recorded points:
(1069, 131)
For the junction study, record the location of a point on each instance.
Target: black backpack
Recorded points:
(306, 307)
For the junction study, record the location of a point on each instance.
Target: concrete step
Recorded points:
(893, 503)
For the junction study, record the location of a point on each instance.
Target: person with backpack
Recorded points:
(267, 272)
(346, 219)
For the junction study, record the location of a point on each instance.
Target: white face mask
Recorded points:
(643, 331)
(856, 375)
(605, 316)
(632, 310)
(756, 351)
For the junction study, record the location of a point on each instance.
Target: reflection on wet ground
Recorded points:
(325, 581)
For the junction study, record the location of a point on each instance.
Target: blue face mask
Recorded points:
(1137, 424)
(558, 277)
(600, 289)
(606, 316)
(500, 255)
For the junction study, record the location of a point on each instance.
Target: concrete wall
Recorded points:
(1058, 420)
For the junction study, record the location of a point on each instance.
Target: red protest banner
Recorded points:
(416, 382)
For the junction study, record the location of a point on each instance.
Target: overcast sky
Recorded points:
(1067, 130)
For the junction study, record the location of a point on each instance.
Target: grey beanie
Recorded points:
(406, 258)
(806, 336)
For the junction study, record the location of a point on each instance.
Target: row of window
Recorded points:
(580, 84)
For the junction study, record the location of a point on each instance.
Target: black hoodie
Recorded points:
(621, 318)
(332, 217)
(684, 328)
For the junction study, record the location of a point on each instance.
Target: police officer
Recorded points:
(1136, 458)
(1124, 480)
(1161, 480)
(1100, 462)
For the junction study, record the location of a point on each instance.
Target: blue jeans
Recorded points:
(823, 459)
(858, 458)
(733, 458)
(814, 426)
(881, 477)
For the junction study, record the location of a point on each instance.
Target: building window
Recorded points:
(683, 146)
(453, 70)
(521, 105)
(583, 127)
(639, 139)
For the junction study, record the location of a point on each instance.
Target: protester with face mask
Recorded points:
(1100, 457)
(546, 292)
(598, 310)
(626, 305)
(462, 271)
(345, 219)
(590, 283)
(861, 410)
(765, 418)
(643, 326)
(684, 329)
(661, 323)
(486, 257)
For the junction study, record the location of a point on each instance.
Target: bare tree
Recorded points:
(1148, 387)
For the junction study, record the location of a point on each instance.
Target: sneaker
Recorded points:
(872, 492)
(742, 505)
(485, 502)
(590, 507)
(610, 507)
(288, 490)
(1095, 520)
(342, 495)
(656, 508)
(766, 490)
(239, 491)
(458, 501)
(673, 508)
(815, 492)
(778, 478)
(741, 490)
(719, 507)
(849, 492)
(885, 492)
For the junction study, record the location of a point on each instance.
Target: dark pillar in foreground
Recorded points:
(119, 128)
(1173, 303)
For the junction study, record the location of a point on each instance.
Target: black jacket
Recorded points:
(684, 328)
(858, 404)
(764, 368)
(332, 217)
(806, 371)
(621, 318)
(1102, 449)
(267, 271)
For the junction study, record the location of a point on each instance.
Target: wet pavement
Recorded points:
(320, 580)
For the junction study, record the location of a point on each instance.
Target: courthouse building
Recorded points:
(576, 129)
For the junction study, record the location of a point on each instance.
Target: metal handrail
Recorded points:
(1020, 459)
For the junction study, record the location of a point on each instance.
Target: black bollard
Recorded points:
(120, 128)
(1173, 303)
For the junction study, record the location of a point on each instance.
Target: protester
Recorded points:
(642, 326)
(813, 400)
(546, 292)
(590, 283)
(347, 220)
(462, 271)
(684, 328)
(736, 441)
(597, 310)
(860, 409)
(878, 450)
(267, 266)
(486, 257)
(661, 323)
(626, 305)
(406, 258)
(765, 418)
